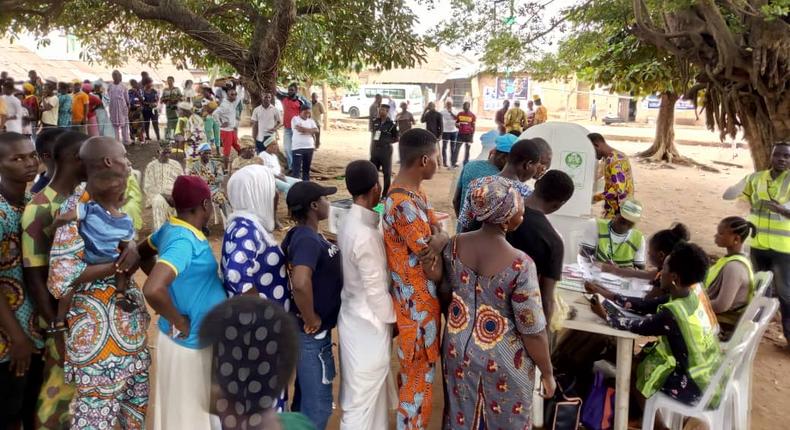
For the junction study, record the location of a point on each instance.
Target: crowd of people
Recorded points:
(476, 307)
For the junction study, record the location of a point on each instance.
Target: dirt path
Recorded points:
(669, 193)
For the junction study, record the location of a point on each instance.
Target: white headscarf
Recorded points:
(251, 195)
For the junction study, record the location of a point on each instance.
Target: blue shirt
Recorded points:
(488, 141)
(304, 247)
(102, 232)
(197, 287)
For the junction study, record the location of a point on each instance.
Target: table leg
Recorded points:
(625, 351)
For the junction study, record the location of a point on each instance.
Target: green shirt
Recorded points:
(37, 232)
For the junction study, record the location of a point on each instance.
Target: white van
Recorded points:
(357, 104)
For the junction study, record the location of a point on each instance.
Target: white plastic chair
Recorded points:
(761, 314)
(721, 416)
(762, 281)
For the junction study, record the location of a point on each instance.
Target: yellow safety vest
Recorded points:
(773, 230)
(701, 342)
(731, 316)
(623, 254)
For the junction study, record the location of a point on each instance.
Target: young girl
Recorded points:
(730, 281)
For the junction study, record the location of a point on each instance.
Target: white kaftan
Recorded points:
(159, 179)
(367, 391)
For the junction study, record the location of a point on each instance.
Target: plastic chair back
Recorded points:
(733, 357)
(764, 310)
(762, 280)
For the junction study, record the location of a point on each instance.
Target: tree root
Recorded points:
(658, 157)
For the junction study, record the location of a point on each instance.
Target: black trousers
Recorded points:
(779, 264)
(302, 160)
(18, 395)
(466, 141)
(150, 118)
(381, 157)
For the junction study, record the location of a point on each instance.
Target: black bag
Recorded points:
(563, 411)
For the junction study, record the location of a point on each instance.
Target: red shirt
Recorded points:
(290, 110)
(466, 122)
(94, 102)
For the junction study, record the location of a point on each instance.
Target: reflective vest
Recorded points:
(622, 254)
(773, 230)
(731, 316)
(704, 352)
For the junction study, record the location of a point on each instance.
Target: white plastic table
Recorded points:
(585, 320)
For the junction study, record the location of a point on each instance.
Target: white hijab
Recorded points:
(251, 195)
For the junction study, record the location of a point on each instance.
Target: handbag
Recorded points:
(562, 411)
(598, 407)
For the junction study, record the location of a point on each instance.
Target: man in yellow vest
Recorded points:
(768, 193)
(617, 242)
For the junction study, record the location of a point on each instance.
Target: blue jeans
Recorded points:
(315, 372)
(288, 134)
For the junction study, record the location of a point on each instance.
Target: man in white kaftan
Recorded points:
(158, 180)
(367, 391)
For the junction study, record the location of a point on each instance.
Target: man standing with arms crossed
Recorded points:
(768, 193)
(265, 122)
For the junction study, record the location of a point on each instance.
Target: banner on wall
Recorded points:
(512, 88)
(490, 102)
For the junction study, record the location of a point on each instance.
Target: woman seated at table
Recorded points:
(730, 281)
(617, 241)
(687, 353)
(659, 246)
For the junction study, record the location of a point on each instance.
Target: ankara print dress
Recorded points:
(488, 374)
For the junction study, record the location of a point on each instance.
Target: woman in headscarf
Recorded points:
(252, 262)
(495, 330)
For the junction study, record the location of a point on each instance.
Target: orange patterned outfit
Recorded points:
(407, 226)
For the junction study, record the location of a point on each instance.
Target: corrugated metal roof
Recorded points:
(18, 60)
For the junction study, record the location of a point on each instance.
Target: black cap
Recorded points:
(303, 193)
(361, 177)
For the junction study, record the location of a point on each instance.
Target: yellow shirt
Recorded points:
(541, 114)
(514, 119)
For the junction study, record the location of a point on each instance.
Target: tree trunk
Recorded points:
(762, 131)
(663, 148)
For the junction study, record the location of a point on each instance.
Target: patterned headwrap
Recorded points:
(494, 200)
(86, 87)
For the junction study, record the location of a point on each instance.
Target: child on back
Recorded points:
(104, 228)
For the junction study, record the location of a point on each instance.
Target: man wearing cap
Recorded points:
(618, 177)
(158, 180)
(211, 171)
(272, 161)
(616, 241)
(182, 287)
(246, 155)
(50, 104)
(384, 134)
(316, 274)
(541, 114)
(265, 122)
(303, 143)
(366, 310)
(497, 158)
(119, 108)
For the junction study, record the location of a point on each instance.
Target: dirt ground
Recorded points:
(669, 194)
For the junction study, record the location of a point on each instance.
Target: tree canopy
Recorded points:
(260, 39)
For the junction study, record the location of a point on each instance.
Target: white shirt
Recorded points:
(267, 119)
(226, 113)
(271, 161)
(13, 107)
(590, 240)
(302, 140)
(448, 122)
(366, 280)
(50, 117)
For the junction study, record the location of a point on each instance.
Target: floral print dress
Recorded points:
(488, 373)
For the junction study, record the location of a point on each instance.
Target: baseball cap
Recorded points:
(361, 177)
(269, 140)
(190, 192)
(302, 194)
(246, 142)
(631, 210)
(505, 142)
